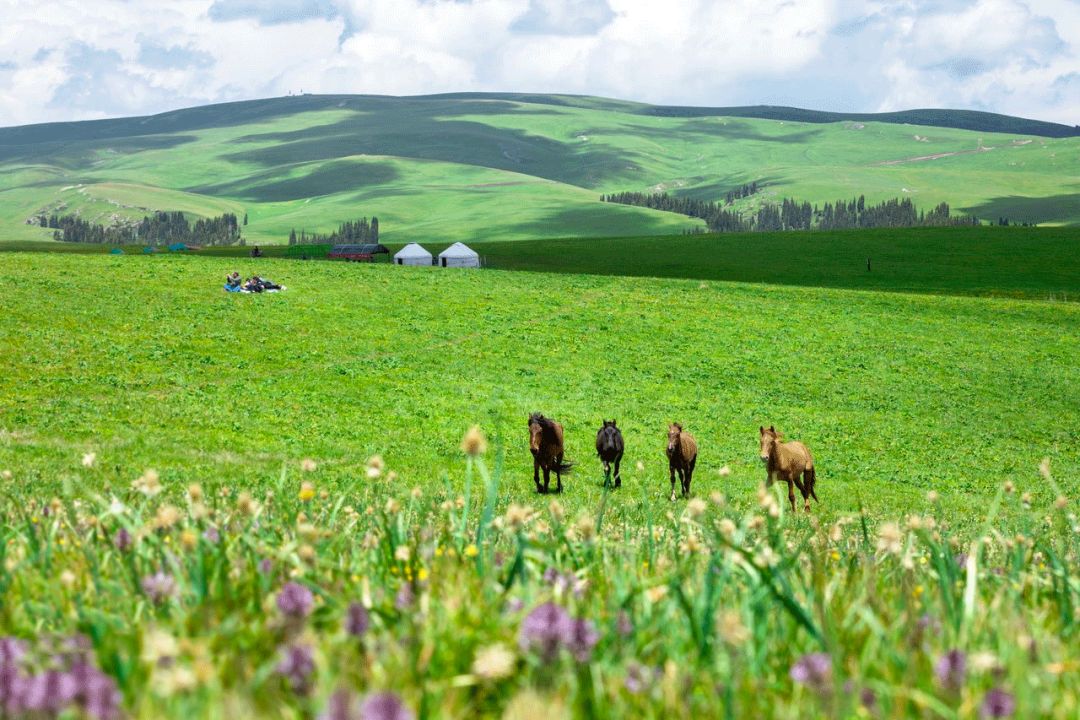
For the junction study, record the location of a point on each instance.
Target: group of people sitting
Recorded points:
(253, 284)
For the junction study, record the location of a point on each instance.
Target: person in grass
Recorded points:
(232, 282)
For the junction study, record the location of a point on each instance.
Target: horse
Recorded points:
(682, 457)
(546, 446)
(788, 461)
(609, 446)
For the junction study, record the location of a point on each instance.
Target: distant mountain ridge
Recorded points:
(496, 166)
(206, 116)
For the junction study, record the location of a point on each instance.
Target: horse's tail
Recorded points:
(563, 468)
(811, 477)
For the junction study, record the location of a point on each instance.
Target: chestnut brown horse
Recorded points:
(682, 457)
(609, 446)
(788, 461)
(546, 446)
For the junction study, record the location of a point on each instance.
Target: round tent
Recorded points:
(459, 255)
(412, 254)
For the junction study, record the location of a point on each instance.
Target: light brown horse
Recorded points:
(682, 457)
(788, 461)
(546, 446)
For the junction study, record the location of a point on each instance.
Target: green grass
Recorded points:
(896, 394)
(1040, 263)
(478, 169)
(700, 608)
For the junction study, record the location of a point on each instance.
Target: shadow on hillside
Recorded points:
(323, 180)
(729, 129)
(427, 130)
(1063, 209)
(601, 221)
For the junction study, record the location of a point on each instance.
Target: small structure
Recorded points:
(459, 255)
(412, 254)
(357, 253)
(178, 247)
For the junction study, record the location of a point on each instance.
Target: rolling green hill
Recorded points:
(509, 167)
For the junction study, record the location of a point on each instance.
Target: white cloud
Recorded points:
(70, 59)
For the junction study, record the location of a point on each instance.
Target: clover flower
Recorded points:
(159, 587)
(951, 669)
(997, 704)
(384, 706)
(297, 665)
(357, 620)
(814, 671)
(545, 630)
(295, 600)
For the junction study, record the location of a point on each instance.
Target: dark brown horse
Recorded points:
(682, 457)
(609, 446)
(546, 446)
(788, 461)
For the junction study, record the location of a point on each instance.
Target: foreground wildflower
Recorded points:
(474, 443)
(356, 620)
(493, 662)
(296, 666)
(384, 706)
(951, 670)
(159, 587)
(582, 639)
(545, 630)
(339, 707)
(295, 601)
(997, 704)
(814, 671)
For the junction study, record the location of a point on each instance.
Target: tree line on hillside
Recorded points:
(350, 232)
(791, 214)
(161, 228)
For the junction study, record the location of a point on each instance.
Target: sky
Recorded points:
(85, 59)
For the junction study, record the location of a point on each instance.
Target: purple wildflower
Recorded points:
(951, 669)
(814, 671)
(339, 707)
(623, 625)
(961, 560)
(48, 693)
(122, 540)
(405, 597)
(96, 692)
(545, 629)
(265, 566)
(384, 706)
(357, 620)
(12, 650)
(514, 605)
(551, 575)
(296, 665)
(868, 698)
(159, 586)
(997, 704)
(638, 677)
(295, 600)
(211, 535)
(582, 639)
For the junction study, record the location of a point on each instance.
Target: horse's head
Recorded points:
(607, 434)
(768, 440)
(536, 432)
(674, 431)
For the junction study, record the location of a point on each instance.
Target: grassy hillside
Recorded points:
(896, 394)
(480, 168)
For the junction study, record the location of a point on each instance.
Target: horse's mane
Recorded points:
(547, 425)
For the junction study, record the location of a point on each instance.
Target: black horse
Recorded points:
(609, 446)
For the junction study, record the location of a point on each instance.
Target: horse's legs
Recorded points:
(536, 473)
(791, 493)
(547, 479)
(618, 478)
(558, 473)
(607, 472)
(689, 477)
(671, 469)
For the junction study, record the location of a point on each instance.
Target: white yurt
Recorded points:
(459, 255)
(412, 254)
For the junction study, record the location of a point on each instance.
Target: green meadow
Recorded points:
(479, 168)
(148, 363)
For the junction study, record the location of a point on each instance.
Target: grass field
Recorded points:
(893, 392)
(500, 168)
(312, 537)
